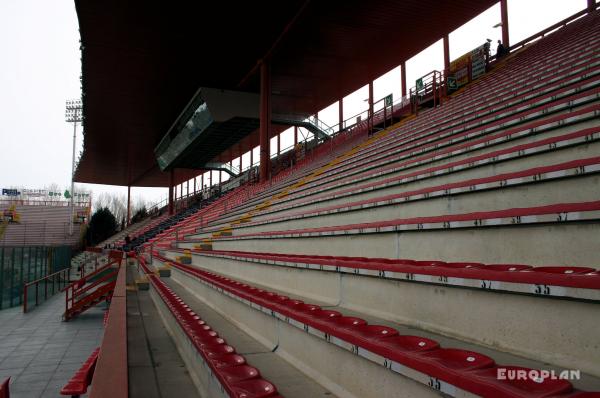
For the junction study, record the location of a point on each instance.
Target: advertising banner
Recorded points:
(10, 192)
(467, 67)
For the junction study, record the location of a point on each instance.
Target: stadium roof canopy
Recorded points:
(142, 62)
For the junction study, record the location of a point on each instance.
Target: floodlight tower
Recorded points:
(73, 114)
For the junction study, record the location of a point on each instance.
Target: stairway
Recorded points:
(225, 167)
(91, 290)
(316, 126)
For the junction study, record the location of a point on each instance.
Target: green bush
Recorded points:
(102, 226)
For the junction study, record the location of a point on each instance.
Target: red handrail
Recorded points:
(95, 272)
(78, 292)
(36, 282)
(98, 293)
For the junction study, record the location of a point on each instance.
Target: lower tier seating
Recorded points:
(453, 371)
(227, 369)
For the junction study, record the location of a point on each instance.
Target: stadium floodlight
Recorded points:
(73, 114)
(74, 111)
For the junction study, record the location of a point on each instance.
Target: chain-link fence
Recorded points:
(20, 265)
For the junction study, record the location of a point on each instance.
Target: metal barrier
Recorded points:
(91, 289)
(58, 280)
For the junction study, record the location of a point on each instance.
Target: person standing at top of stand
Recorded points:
(501, 51)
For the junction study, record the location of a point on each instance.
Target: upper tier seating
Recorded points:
(438, 248)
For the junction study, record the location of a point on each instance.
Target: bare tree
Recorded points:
(117, 204)
(138, 203)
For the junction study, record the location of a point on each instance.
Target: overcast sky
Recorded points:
(40, 67)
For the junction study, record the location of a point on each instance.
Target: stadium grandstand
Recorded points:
(33, 217)
(440, 244)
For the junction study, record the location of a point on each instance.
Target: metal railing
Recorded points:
(432, 89)
(226, 167)
(80, 289)
(57, 282)
(315, 125)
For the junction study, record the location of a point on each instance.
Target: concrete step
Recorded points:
(536, 244)
(527, 195)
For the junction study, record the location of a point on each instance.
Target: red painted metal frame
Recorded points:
(504, 19)
(265, 119)
(171, 182)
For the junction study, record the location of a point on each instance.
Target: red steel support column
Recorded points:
(128, 204)
(265, 119)
(278, 145)
(504, 19)
(403, 78)
(195, 184)
(251, 157)
(187, 189)
(371, 98)
(295, 136)
(370, 106)
(341, 113)
(210, 178)
(202, 182)
(240, 152)
(591, 5)
(171, 178)
(220, 179)
(446, 53)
